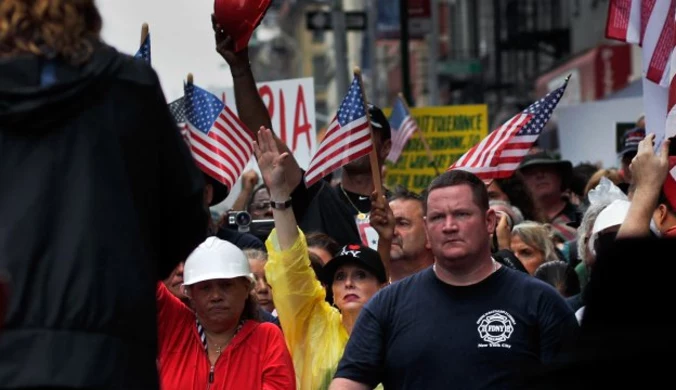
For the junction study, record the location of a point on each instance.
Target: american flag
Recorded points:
(220, 143)
(144, 51)
(499, 154)
(347, 139)
(651, 25)
(177, 108)
(403, 126)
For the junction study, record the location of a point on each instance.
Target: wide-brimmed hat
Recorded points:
(564, 167)
(361, 255)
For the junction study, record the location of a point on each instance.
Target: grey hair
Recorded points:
(536, 235)
(586, 226)
(518, 215)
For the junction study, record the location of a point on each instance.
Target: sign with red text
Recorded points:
(291, 104)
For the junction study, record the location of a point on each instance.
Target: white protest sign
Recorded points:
(291, 104)
(587, 132)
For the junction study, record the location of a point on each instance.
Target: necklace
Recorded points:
(360, 214)
(219, 348)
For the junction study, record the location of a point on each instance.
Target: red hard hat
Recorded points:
(239, 18)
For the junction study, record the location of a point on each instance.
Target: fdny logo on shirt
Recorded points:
(495, 327)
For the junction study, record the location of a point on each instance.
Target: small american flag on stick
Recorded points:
(498, 155)
(347, 139)
(144, 50)
(220, 143)
(403, 127)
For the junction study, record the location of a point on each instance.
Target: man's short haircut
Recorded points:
(402, 193)
(458, 177)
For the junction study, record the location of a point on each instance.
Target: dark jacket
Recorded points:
(99, 199)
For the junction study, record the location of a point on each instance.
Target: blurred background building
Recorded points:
(504, 53)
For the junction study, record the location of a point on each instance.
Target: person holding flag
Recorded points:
(358, 140)
(318, 206)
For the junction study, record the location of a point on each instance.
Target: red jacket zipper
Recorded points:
(211, 376)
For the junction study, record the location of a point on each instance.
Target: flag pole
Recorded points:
(375, 169)
(189, 79)
(430, 158)
(144, 32)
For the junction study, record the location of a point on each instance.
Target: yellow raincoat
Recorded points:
(312, 328)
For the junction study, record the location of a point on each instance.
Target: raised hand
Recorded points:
(249, 179)
(271, 164)
(503, 232)
(382, 218)
(650, 169)
(225, 46)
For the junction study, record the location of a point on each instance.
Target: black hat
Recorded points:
(355, 253)
(379, 122)
(220, 191)
(564, 167)
(631, 139)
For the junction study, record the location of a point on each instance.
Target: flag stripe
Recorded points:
(348, 138)
(339, 136)
(213, 154)
(657, 39)
(218, 148)
(624, 21)
(355, 150)
(514, 126)
(646, 14)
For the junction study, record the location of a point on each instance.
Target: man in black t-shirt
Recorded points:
(335, 210)
(465, 323)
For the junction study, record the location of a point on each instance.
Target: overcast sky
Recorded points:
(181, 37)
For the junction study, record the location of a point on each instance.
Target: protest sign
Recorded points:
(291, 104)
(449, 130)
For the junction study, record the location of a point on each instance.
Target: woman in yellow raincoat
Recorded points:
(315, 332)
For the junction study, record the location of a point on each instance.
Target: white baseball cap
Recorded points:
(215, 259)
(613, 215)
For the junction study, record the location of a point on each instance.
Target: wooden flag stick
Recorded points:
(144, 32)
(375, 168)
(189, 79)
(430, 158)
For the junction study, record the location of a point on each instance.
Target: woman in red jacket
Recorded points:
(218, 343)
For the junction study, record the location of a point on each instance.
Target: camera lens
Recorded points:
(243, 218)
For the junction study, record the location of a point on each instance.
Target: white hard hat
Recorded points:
(613, 215)
(215, 259)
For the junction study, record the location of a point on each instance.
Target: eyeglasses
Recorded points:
(260, 206)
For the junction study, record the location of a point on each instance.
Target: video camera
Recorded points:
(242, 221)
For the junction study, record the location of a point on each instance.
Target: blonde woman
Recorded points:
(532, 245)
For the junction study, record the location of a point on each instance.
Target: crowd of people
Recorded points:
(113, 274)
